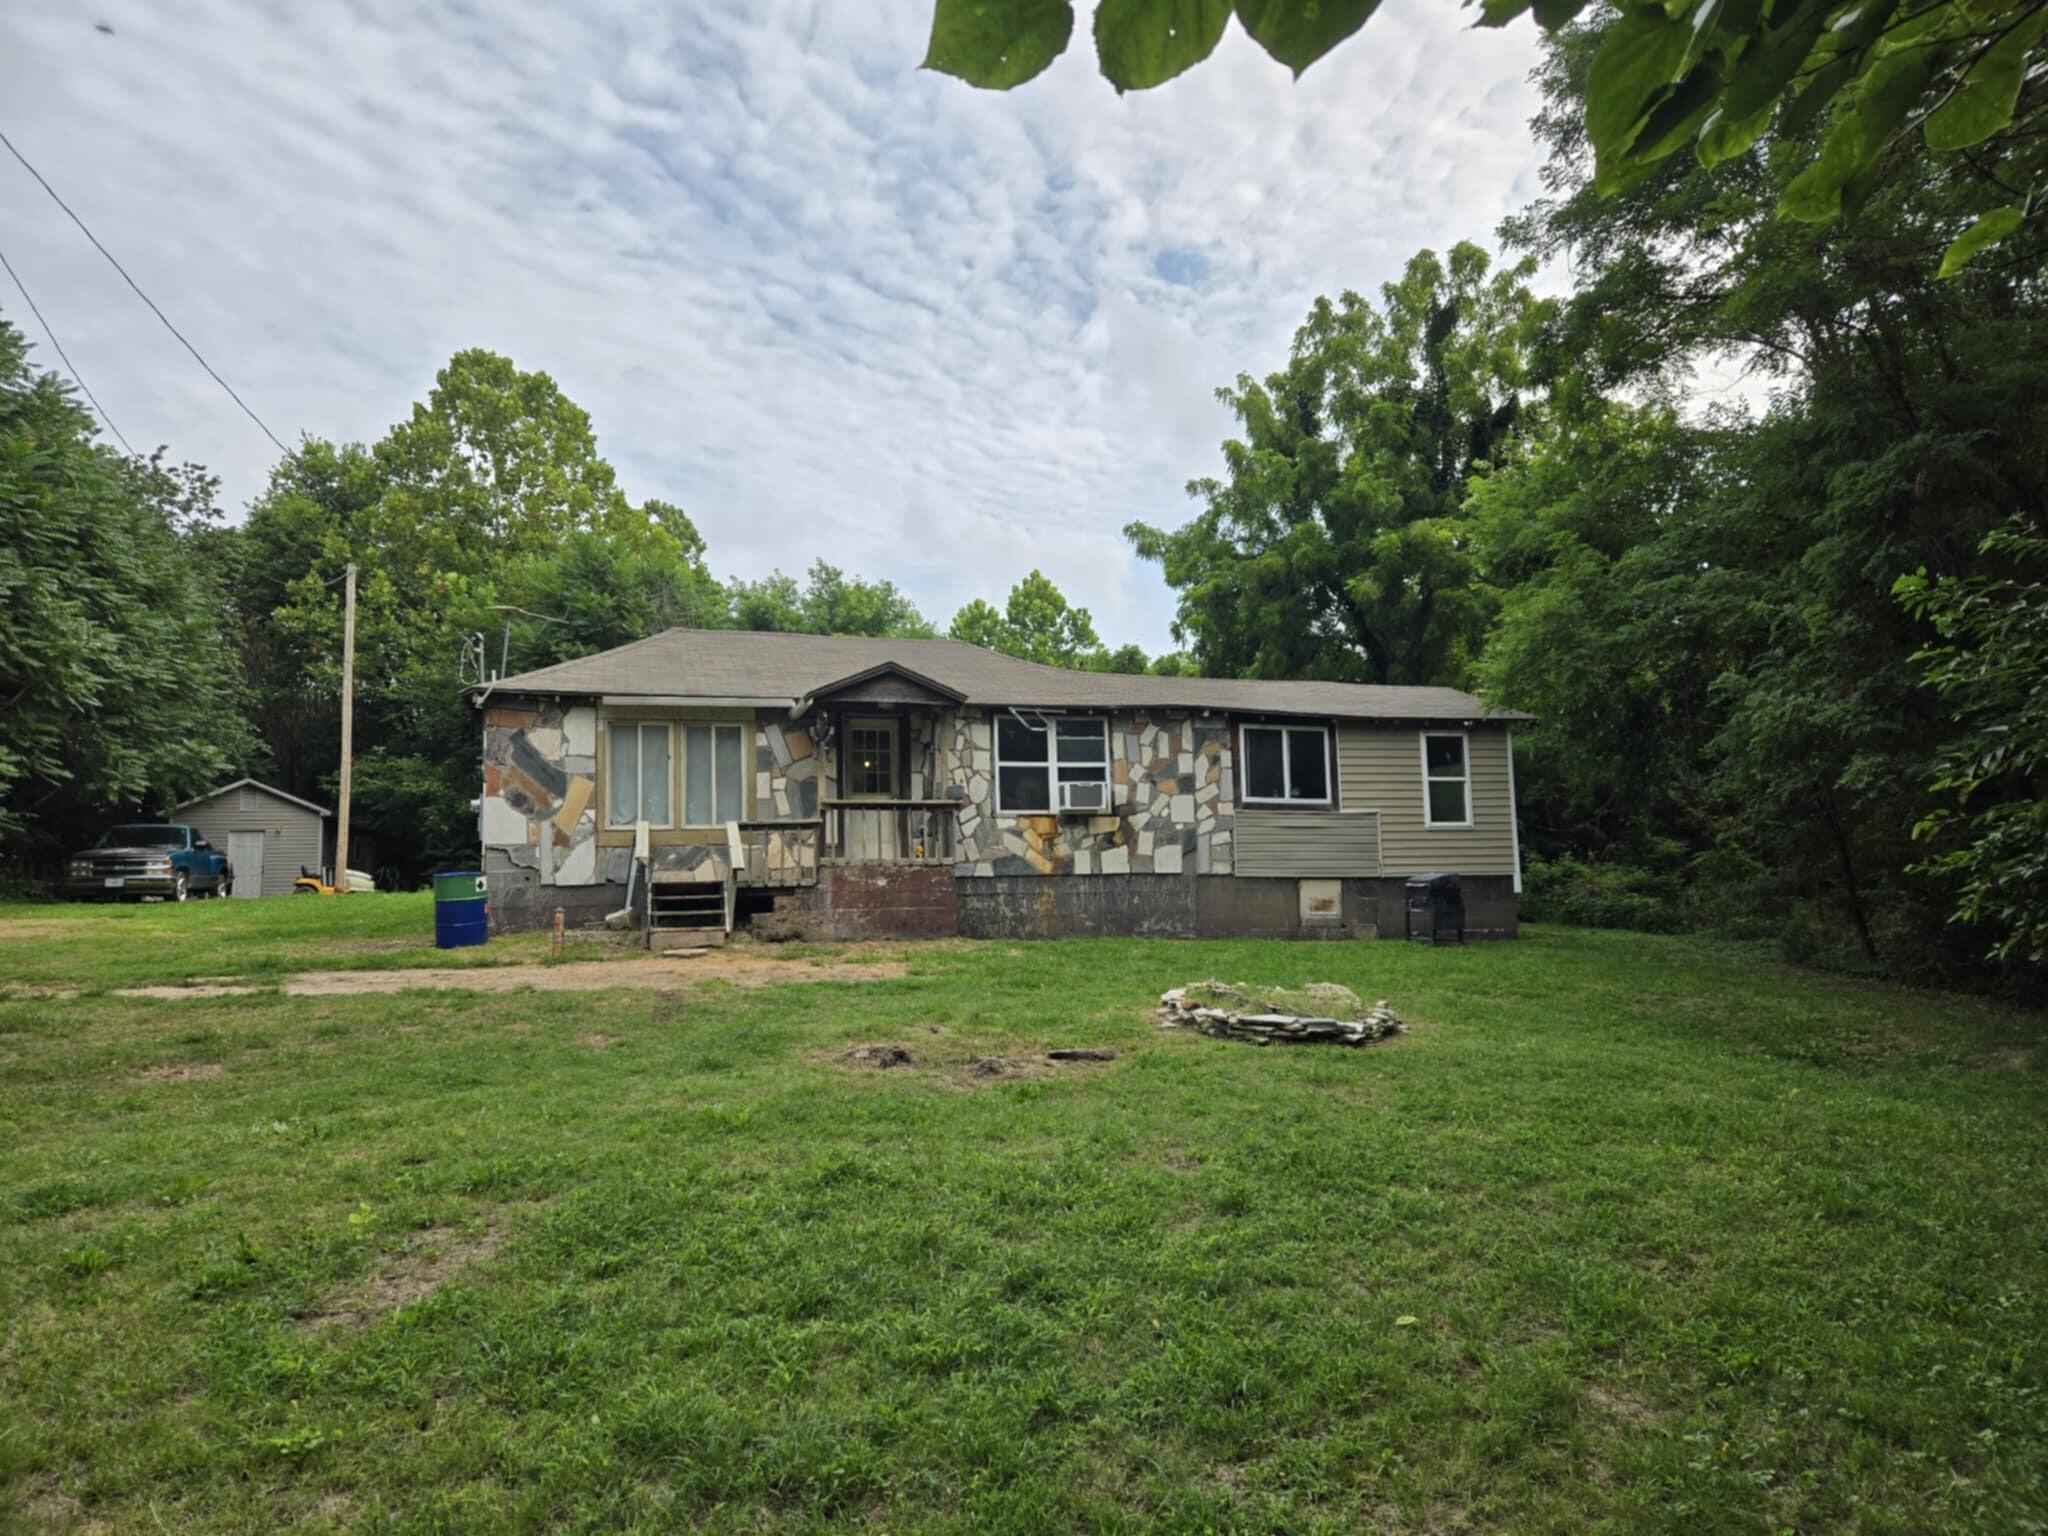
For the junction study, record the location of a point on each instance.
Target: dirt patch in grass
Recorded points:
(1003, 1069)
(435, 1256)
(599, 1042)
(2011, 1058)
(180, 1072)
(964, 1063)
(1622, 1404)
(651, 973)
(656, 973)
(877, 1055)
(176, 994)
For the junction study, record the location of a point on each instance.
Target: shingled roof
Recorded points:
(731, 664)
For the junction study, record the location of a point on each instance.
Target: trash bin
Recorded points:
(1435, 905)
(461, 913)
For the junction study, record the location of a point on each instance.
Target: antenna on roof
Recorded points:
(505, 645)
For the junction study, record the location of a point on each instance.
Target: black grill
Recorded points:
(1435, 906)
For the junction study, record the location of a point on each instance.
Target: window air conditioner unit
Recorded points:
(1086, 797)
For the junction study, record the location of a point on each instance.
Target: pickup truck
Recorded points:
(149, 858)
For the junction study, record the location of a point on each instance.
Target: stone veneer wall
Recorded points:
(1175, 804)
(540, 807)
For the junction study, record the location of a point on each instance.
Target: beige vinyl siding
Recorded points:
(292, 835)
(1318, 844)
(1380, 767)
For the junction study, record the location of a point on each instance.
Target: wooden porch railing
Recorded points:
(891, 831)
(775, 852)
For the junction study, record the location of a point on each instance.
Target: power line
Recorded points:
(223, 383)
(54, 342)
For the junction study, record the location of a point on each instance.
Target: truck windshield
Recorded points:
(142, 835)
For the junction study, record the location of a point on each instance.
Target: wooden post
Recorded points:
(557, 949)
(348, 725)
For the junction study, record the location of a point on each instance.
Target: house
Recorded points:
(846, 787)
(267, 834)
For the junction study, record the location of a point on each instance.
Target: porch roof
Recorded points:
(684, 664)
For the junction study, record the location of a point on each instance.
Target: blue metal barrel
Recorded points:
(461, 913)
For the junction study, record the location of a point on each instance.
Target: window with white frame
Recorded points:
(639, 778)
(1037, 752)
(714, 774)
(1446, 780)
(1286, 765)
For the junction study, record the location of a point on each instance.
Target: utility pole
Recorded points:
(348, 724)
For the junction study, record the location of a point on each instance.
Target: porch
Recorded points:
(847, 854)
(786, 854)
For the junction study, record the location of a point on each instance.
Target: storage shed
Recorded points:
(267, 834)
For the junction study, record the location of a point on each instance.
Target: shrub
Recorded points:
(1567, 890)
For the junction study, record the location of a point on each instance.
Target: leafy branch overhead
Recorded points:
(1716, 75)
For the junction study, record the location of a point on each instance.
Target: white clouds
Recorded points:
(830, 304)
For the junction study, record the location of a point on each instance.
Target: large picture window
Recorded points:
(1446, 780)
(1286, 765)
(639, 777)
(1034, 754)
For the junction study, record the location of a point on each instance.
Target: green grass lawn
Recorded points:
(1630, 1234)
(75, 944)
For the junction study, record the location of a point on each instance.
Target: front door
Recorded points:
(868, 772)
(245, 853)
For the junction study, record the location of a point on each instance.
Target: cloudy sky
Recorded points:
(828, 303)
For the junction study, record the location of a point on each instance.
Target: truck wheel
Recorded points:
(224, 886)
(178, 886)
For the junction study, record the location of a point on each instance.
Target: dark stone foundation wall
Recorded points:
(897, 902)
(876, 901)
(1205, 906)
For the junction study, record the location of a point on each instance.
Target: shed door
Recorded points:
(245, 852)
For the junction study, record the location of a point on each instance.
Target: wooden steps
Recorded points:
(685, 914)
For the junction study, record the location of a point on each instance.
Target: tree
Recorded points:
(490, 496)
(1037, 623)
(980, 622)
(1613, 624)
(1757, 584)
(828, 603)
(1129, 660)
(1961, 76)
(1991, 661)
(1334, 548)
(117, 689)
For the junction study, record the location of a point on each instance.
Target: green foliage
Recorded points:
(998, 43)
(1038, 624)
(1568, 890)
(117, 692)
(1990, 662)
(1143, 43)
(1612, 621)
(1668, 73)
(1127, 659)
(1298, 33)
(828, 603)
(1335, 546)
(491, 495)
(1704, 616)
(1988, 229)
